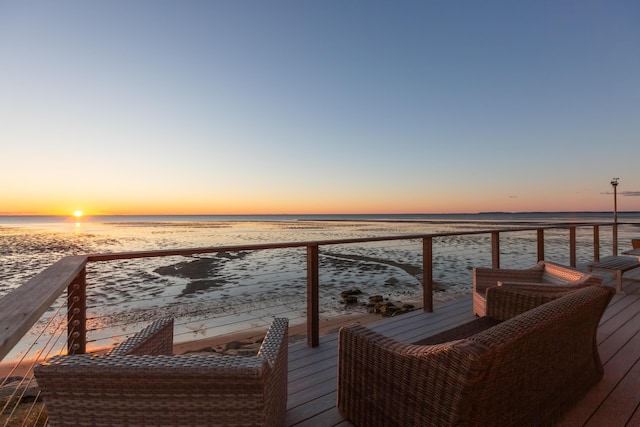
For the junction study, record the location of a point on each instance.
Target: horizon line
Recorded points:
(5, 214)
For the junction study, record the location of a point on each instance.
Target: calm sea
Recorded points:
(249, 287)
(29, 244)
(537, 217)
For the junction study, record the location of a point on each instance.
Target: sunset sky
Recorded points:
(247, 107)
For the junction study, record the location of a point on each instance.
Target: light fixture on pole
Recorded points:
(614, 183)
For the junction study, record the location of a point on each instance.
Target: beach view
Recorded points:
(220, 301)
(246, 179)
(229, 292)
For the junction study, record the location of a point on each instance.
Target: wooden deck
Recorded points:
(614, 401)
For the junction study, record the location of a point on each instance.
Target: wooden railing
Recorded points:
(22, 307)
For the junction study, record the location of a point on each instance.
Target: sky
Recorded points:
(332, 106)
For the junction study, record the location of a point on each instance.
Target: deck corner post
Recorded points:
(77, 314)
(313, 296)
(427, 274)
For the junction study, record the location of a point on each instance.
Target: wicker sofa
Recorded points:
(545, 276)
(522, 364)
(141, 383)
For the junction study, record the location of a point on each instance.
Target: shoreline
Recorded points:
(297, 333)
(218, 344)
(395, 276)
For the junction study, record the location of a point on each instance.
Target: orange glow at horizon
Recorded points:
(318, 202)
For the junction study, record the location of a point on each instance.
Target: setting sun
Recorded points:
(77, 214)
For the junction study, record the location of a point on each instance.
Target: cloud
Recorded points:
(624, 193)
(512, 197)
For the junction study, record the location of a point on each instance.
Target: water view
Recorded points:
(226, 291)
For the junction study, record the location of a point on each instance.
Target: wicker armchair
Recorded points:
(515, 370)
(141, 383)
(544, 276)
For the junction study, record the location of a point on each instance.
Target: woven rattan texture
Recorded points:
(460, 332)
(522, 371)
(544, 273)
(163, 390)
(157, 338)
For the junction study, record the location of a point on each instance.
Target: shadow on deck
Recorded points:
(614, 401)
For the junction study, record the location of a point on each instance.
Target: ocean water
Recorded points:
(222, 292)
(29, 244)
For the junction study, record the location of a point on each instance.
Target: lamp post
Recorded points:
(614, 184)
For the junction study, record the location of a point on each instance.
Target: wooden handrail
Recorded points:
(22, 307)
(285, 245)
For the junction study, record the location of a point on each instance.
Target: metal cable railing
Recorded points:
(267, 281)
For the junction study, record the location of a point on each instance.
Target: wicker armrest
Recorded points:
(504, 302)
(155, 339)
(563, 275)
(275, 350)
(592, 280)
(276, 339)
(535, 287)
(587, 280)
(381, 380)
(484, 278)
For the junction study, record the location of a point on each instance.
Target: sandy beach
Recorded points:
(251, 340)
(242, 343)
(221, 295)
(228, 297)
(224, 302)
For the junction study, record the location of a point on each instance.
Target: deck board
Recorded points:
(614, 401)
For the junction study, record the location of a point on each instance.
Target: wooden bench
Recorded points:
(617, 264)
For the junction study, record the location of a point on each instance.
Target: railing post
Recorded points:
(572, 246)
(495, 249)
(596, 243)
(77, 314)
(427, 274)
(541, 244)
(313, 296)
